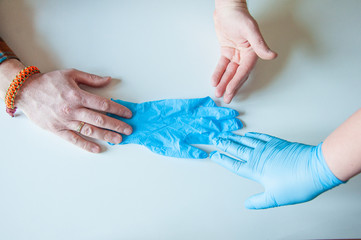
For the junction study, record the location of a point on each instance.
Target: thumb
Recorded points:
(89, 79)
(259, 45)
(259, 201)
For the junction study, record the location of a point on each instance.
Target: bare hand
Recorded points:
(55, 102)
(241, 45)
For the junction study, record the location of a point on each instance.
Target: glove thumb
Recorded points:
(258, 201)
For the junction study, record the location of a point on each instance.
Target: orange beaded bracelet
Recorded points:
(15, 86)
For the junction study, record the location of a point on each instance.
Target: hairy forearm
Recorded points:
(342, 149)
(8, 70)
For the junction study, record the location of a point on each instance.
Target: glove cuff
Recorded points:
(327, 178)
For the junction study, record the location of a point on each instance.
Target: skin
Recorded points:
(55, 102)
(341, 149)
(241, 44)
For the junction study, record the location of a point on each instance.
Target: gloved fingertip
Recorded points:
(239, 124)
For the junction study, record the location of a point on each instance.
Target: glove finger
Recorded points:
(247, 141)
(236, 166)
(203, 125)
(259, 201)
(238, 150)
(259, 136)
(181, 151)
(214, 112)
(193, 102)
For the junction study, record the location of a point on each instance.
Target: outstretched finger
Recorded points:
(103, 104)
(234, 165)
(237, 150)
(89, 79)
(260, 136)
(247, 141)
(219, 71)
(79, 141)
(103, 121)
(247, 63)
(227, 76)
(96, 132)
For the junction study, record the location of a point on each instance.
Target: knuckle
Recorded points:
(99, 120)
(104, 105)
(93, 76)
(74, 96)
(66, 110)
(87, 130)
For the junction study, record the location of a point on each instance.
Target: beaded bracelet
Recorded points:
(15, 86)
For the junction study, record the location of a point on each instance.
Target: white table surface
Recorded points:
(50, 189)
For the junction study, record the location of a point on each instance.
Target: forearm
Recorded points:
(342, 149)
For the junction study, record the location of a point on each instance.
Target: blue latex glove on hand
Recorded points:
(168, 127)
(290, 172)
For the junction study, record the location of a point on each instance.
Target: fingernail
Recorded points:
(128, 131)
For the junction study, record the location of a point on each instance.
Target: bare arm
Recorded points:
(342, 149)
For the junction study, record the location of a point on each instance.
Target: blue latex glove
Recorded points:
(168, 127)
(290, 172)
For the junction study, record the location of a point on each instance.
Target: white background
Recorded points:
(50, 189)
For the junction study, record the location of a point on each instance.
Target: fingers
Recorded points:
(88, 79)
(234, 165)
(79, 141)
(227, 76)
(238, 150)
(258, 43)
(97, 133)
(259, 136)
(247, 141)
(99, 103)
(247, 63)
(259, 201)
(103, 121)
(219, 71)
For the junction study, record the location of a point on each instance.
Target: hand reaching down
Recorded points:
(241, 44)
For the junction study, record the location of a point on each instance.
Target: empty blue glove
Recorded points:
(168, 127)
(290, 172)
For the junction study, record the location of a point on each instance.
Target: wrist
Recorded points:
(8, 70)
(231, 4)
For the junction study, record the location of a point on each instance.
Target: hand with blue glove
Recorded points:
(290, 172)
(169, 127)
